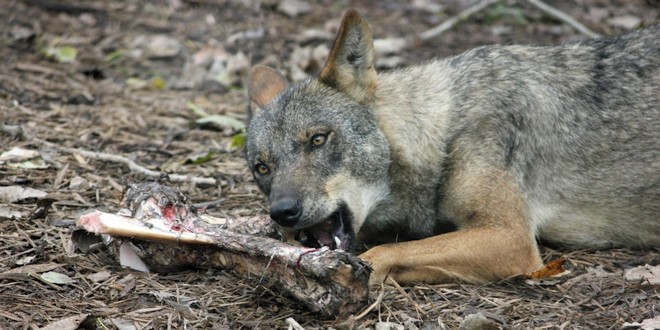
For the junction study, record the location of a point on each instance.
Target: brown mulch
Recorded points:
(95, 104)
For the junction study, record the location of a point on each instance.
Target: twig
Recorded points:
(378, 301)
(131, 164)
(403, 292)
(454, 20)
(15, 131)
(560, 15)
(394, 45)
(293, 324)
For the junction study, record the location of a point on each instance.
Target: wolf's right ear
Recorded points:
(350, 66)
(265, 84)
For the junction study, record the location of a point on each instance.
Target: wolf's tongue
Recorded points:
(323, 232)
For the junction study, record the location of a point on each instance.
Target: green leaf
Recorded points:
(218, 120)
(136, 83)
(35, 164)
(197, 110)
(224, 79)
(63, 54)
(238, 140)
(501, 12)
(114, 56)
(157, 82)
(200, 158)
(173, 165)
(222, 121)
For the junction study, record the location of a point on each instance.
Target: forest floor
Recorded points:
(122, 78)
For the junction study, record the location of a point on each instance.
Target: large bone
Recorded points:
(168, 235)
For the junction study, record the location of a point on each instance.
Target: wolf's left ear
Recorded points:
(350, 66)
(265, 84)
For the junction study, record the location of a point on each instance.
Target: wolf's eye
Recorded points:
(261, 169)
(318, 140)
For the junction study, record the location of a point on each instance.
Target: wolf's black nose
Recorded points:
(285, 211)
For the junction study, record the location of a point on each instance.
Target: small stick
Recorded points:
(378, 301)
(393, 45)
(454, 20)
(398, 287)
(293, 324)
(560, 15)
(15, 131)
(131, 164)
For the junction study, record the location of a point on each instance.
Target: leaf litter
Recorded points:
(83, 100)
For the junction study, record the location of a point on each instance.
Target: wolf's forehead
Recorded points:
(271, 147)
(294, 113)
(280, 120)
(270, 132)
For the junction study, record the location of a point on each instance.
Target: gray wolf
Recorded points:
(458, 166)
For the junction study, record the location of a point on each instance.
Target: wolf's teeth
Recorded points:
(337, 242)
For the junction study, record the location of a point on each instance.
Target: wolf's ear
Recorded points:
(265, 84)
(350, 66)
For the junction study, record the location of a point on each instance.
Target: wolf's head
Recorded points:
(315, 148)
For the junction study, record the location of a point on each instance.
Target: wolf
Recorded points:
(458, 167)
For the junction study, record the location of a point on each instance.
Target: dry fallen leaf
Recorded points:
(67, 323)
(162, 47)
(477, 321)
(17, 154)
(552, 269)
(548, 275)
(38, 268)
(123, 324)
(388, 326)
(293, 8)
(10, 213)
(627, 22)
(99, 276)
(56, 278)
(25, 260)
(646, 274)
(648, 324)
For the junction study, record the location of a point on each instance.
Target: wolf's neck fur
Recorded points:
(414, 117)
(415, 120)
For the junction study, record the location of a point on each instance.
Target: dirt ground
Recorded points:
(80, 79)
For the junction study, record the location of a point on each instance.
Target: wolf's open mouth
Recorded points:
(334, 232)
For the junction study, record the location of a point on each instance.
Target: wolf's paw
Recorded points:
(381, 263)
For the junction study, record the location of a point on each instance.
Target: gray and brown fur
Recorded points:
(508, 144)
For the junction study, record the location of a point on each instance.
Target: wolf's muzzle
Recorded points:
(285, 211)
